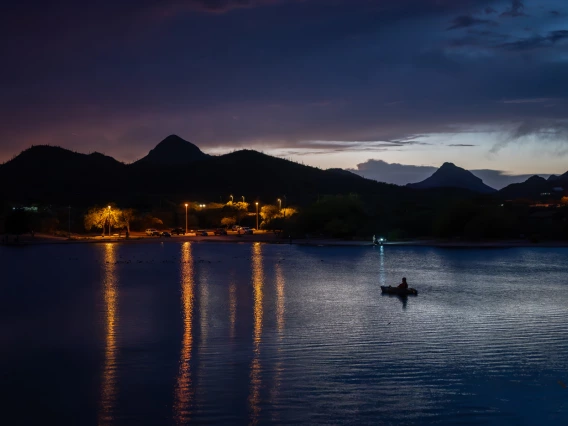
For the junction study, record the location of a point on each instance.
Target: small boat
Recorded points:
(399, 291)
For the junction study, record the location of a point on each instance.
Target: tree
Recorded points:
(150, 221)
(228, 221)
(268, 212)
(240, 209)
(101, 217)
(273, 217)
(127, 216)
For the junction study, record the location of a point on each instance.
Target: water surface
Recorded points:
(256, 334)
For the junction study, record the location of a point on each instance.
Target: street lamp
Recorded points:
(279, 204)
(243, 198)
(109, 221)
(186, 218)
(256, 216)
(231, 198)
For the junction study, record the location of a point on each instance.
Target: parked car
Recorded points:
(178, 231)
(220, 231)
(166, 234)
(201, 233)
(152, 232)
(245, 230)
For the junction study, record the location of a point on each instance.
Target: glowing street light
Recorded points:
(109, 221)
(279, 204)
(231, 198)
(256, 216)
(186, 217)
(243, 198)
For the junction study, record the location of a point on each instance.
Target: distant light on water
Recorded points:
(110, 292)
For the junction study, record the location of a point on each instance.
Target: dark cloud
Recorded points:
(537, 42)
(401, 174)
(465, 21)
(116, 78)
(489, 10)
(516, 10)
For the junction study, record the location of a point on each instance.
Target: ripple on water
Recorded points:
(271, 334)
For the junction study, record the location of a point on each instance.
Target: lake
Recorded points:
(180, 332)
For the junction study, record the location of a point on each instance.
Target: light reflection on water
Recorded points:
(240, 334)
(232, 308)
(256, 368)
(184, 388)
(110, 291)
(278, 367)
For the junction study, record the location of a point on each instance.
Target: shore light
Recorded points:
(256, 215)
(186, 217)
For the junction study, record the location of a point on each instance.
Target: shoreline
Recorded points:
(27, 240)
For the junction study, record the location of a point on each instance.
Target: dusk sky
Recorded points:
(368, 85)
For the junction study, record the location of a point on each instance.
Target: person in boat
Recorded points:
(403, 285)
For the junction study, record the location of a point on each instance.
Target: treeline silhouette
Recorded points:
(330, 202)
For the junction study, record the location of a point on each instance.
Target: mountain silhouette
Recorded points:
(343, 172)
(173, 150)
(535, 186)
(53, 175)
(50, 173)
(452, 176)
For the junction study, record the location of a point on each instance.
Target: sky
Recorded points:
(355, 84)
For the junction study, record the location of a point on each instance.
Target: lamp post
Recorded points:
(109, 221)
(231, 198)
(243, 198)
(256, 215)
(186, 218)
(279, 205)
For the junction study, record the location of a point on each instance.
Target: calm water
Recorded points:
(258, 334)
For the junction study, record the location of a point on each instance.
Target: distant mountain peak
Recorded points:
(173, 140)
(173, 150)
(451, 176)
(448, 165)
(535, 178)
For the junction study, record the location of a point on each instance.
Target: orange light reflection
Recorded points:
(184, 388)
(110, 292)
(256, 368)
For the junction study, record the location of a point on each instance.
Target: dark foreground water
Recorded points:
(257, 334)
